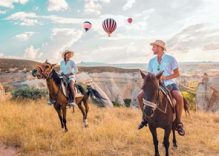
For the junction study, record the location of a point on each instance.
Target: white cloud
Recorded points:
(1, 54)
(32, 53)
(10, 3)
(24, 36)
(24, 18)
(61, 39)
(128, 5)
(57, 5)
(63, 20)
(31, 18)
(92, 6)
(2, 11)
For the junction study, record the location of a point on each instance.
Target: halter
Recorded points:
(153, 105)
(46, 75)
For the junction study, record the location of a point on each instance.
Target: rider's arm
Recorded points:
(61, 69)
(172, 76)
(74, 68)
(175, 69)
(150, 68)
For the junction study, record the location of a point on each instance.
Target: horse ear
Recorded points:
(46, 61)
(54, 65)
(143, 75)
(158, 76)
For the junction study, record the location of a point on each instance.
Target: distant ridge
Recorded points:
(7, 65)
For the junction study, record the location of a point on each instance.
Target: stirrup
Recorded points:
(180, 130)
(72, 104)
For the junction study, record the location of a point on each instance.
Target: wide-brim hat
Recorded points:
(159, 43)
(67, 51)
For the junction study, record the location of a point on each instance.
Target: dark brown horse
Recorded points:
(46, 71)
(157, 110)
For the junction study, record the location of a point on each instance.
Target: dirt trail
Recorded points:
(7, 151)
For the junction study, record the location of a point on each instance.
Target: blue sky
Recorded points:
(42, 29)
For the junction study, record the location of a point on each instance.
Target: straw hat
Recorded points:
(67, 51)
(159, 43)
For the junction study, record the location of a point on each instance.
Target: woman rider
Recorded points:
(68, 70)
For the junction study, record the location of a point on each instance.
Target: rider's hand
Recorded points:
(163, 78)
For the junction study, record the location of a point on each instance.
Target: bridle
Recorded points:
(155, 105)
(46, 75)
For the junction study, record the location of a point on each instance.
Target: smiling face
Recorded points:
(43, 71)
(156, 49)
(68, 56)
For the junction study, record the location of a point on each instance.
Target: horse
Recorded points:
(158, 110)
(47, 71)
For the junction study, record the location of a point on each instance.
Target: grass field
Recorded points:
(34, 129)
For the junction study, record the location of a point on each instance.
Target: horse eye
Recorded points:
(46, 67)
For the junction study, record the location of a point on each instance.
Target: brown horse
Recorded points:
(46, 71)
(158, 110)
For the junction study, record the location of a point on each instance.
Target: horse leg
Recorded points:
(64, 118)
(58, 110)
(82, 111)
(86, 111)
(166, 140)
(154, 135)
(174, 138)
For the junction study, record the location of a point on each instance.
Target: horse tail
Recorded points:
(186, 106)
(81, 89)
(95, 96)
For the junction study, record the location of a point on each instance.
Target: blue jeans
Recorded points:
(172, 87)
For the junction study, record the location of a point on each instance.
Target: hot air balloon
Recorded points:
(129, 20)
(87, 25)
(109, 25)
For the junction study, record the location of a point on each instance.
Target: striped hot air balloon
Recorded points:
(109, 25)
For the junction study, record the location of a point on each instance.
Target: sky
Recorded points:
(43, 29)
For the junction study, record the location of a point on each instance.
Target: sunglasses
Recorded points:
(158, 67)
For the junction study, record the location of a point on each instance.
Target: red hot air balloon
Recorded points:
(87, 25)
(129, 20)
(109, 25)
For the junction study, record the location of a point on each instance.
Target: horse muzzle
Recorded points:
(35, 73)
(149, 108)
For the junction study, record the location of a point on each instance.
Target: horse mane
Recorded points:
(56, 77)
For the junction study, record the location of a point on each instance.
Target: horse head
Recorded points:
(43, 70)
(151, 92)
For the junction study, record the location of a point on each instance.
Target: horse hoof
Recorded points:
(175, 145)
(86, 123)
(66, 130)
(157, 154)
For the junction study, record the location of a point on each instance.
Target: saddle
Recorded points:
(67, 91)
(169, 96)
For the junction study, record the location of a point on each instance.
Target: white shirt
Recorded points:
(168, 64)
(69, 67)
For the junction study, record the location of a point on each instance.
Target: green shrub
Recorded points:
(29, 93)
(190, 97)
(127, 102)
(116, 104)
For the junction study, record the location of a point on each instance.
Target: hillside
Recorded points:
(15, 65)
(32, 128)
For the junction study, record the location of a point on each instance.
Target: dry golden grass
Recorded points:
(34, 128)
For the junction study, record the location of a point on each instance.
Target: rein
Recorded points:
(155, 106)
(59, 88)
(45, 74)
